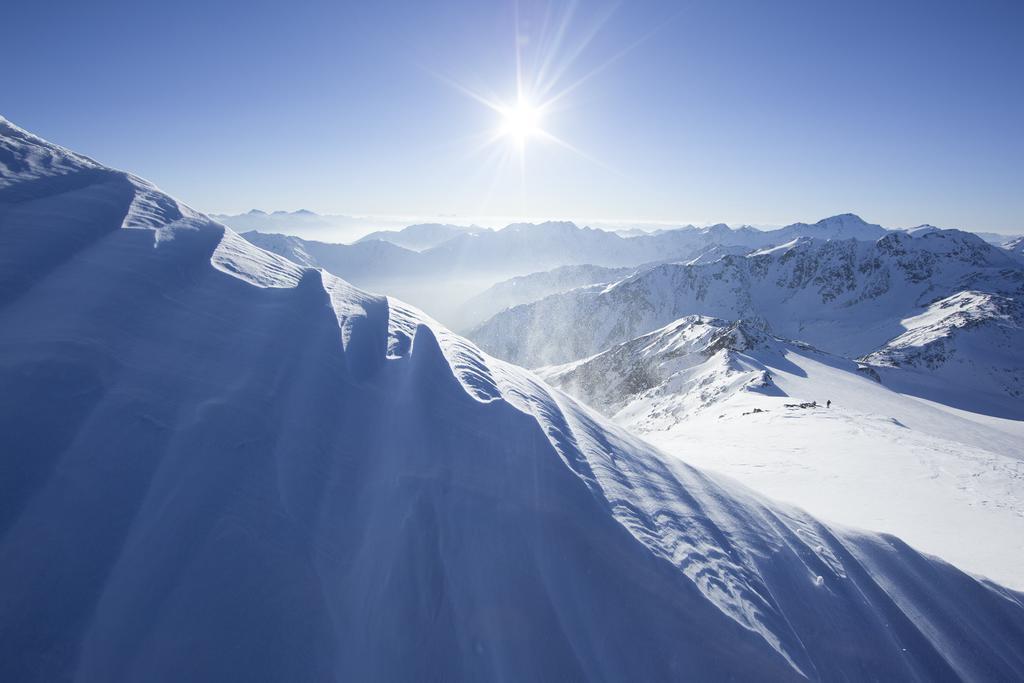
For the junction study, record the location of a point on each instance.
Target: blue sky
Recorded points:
(736, 111)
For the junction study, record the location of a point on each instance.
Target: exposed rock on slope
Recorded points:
(972, 341)
(846, 297)
(655, 380)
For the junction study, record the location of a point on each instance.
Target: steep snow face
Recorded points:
(847, 297)
(736, 400)
(219, 465)
(971, 340)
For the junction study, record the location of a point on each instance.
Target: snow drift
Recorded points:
(220, 465)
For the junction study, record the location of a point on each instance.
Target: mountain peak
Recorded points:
(843, 219)
(562, 226)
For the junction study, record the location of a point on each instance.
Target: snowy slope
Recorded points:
(1016, 248)
(728, 396)
(656, 380)
(219, 465)
(973, 341)
(847, 297)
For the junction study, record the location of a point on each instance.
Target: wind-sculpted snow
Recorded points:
(847, 297)
(218, 465)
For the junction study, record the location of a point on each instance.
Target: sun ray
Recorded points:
(576, 150)
(561, 94)
(546, 83)
(467, 91)
(541, 61)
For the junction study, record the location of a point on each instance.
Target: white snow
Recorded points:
(947, 480)
(844, 296)
(222, 466)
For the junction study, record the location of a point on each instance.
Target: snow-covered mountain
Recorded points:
(842, 227)
(370, 263)
(533, 287)
(688, 365)
(973, 341)
(222, 465)
(1016, 248)
(423, 235)
(847, 296)
(442, 278)
(739, 401)
(997, 238)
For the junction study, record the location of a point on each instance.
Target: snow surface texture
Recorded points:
(732, 398)
(219, 465)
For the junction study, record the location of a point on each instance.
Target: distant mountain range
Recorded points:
(422, 236)
(337, 228)
(307, 224)
(845, 296)
(535, 286)
(472, 260)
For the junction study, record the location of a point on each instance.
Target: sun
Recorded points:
(521, 121)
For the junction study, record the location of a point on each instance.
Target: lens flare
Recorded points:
(521, 121)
